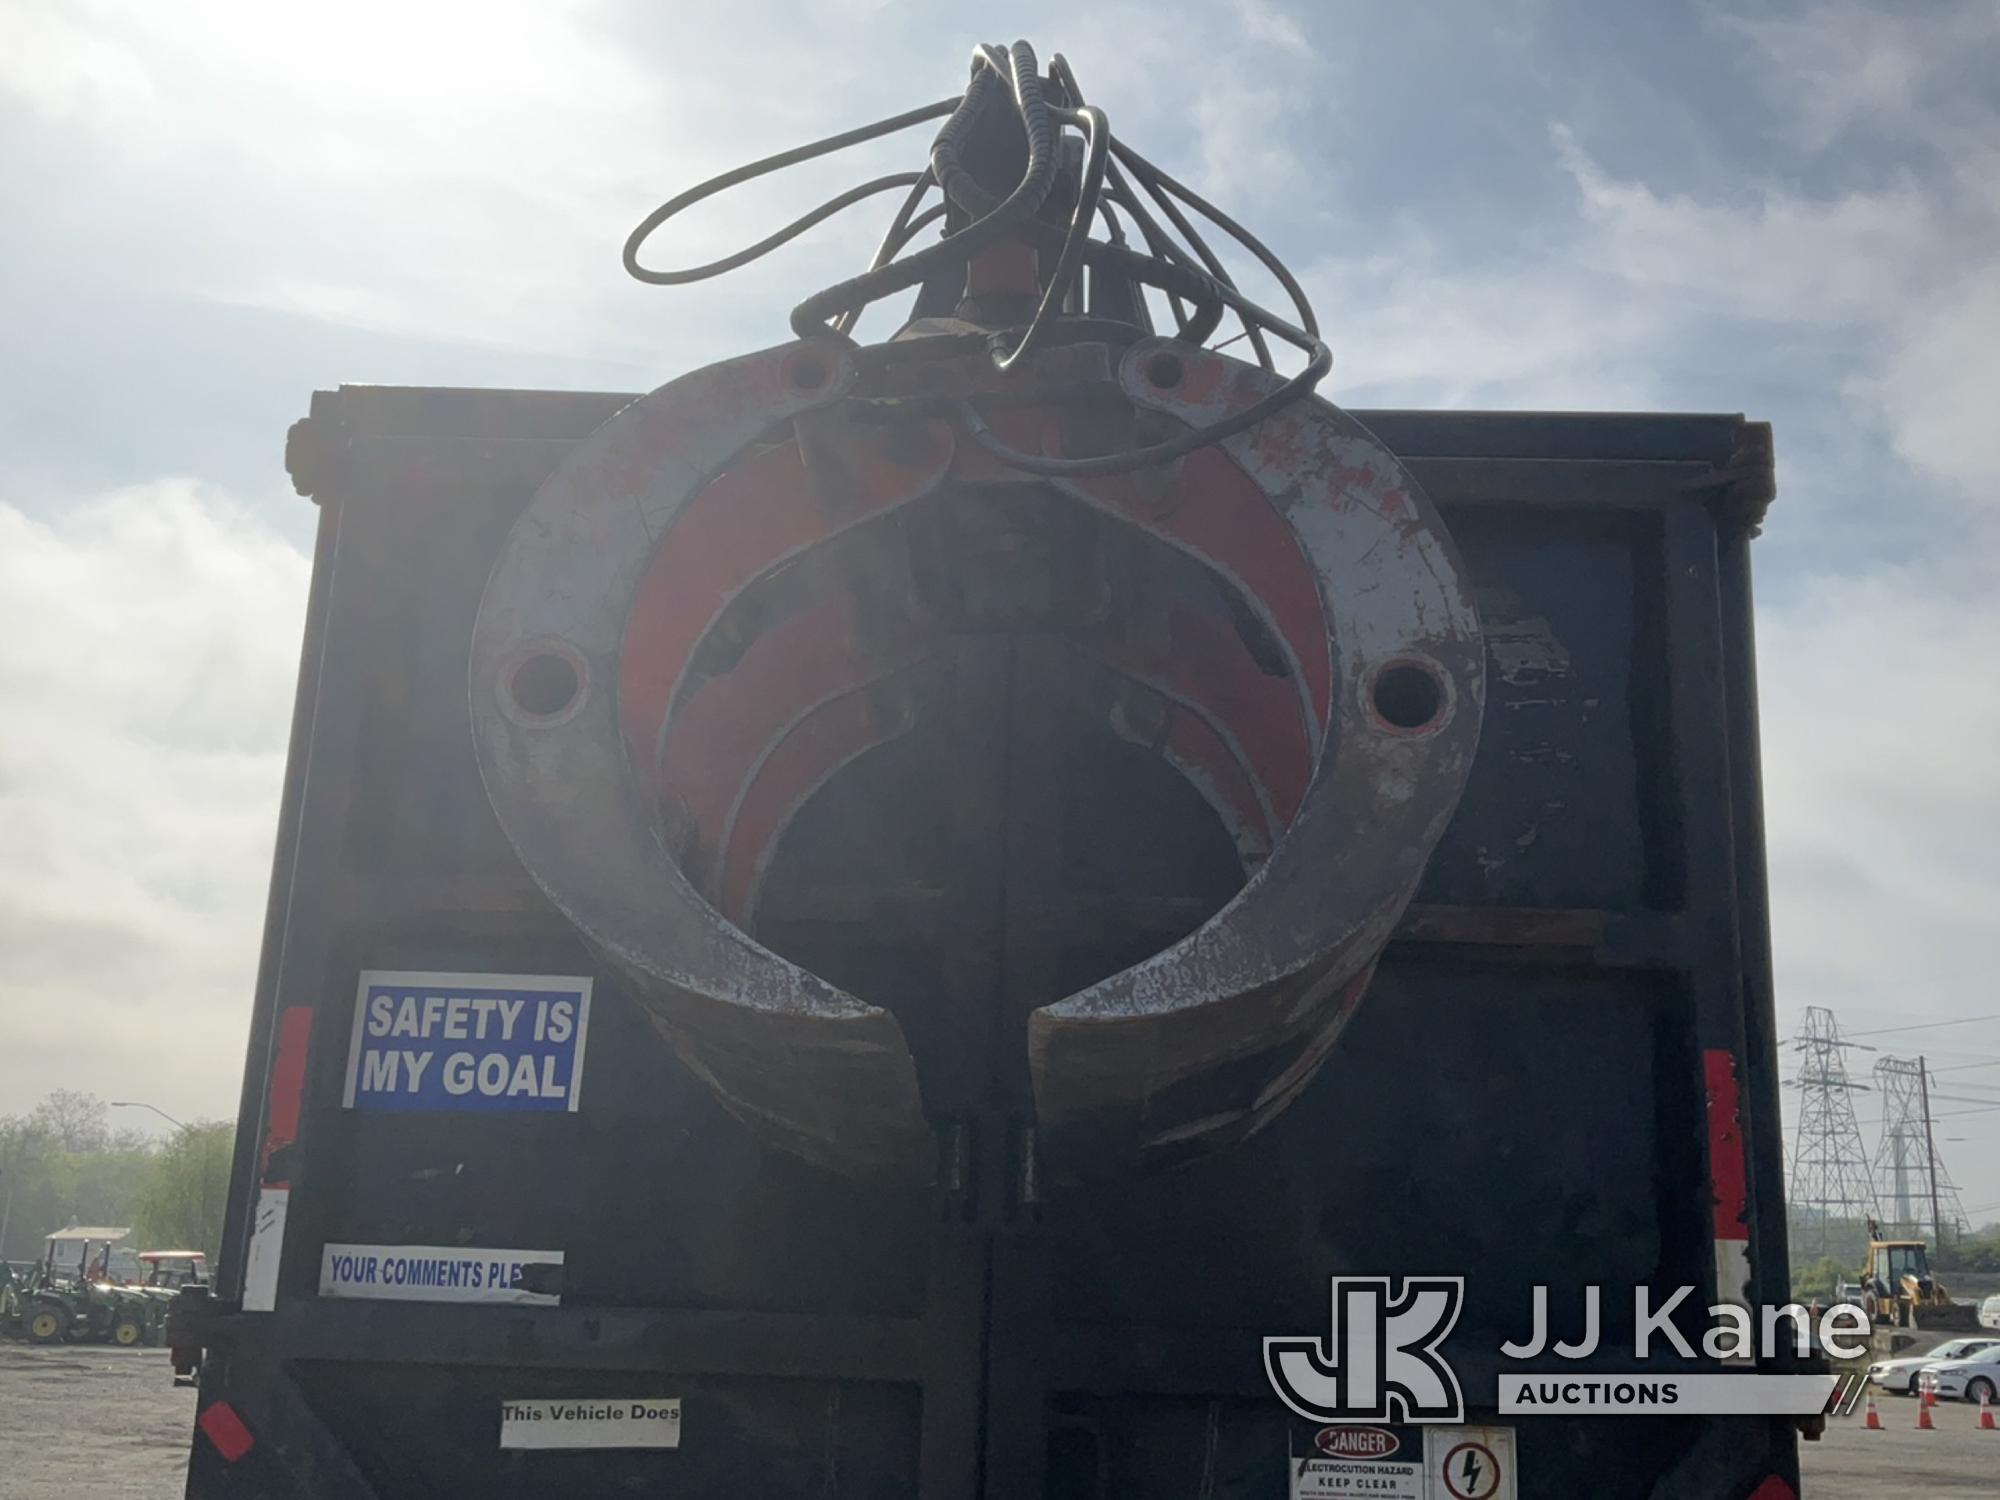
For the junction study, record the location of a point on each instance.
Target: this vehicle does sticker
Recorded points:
(591, 1422)
(467, 1042)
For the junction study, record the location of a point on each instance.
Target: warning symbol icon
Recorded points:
(1470, 1463)
(1471, 1472)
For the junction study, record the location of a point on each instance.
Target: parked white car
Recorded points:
(1972, 1377)
(1901, 1374)
(1989, 1312)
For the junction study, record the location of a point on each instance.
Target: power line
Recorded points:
(1947, 1114)
(1924, 1025)
(1983, 1089)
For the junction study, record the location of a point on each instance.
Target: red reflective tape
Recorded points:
(288, 1087)
(1774, 1488)
(1726, 1171)
(226, 1430)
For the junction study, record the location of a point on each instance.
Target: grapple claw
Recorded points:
(750, 582)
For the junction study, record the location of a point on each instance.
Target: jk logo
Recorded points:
(1379, 1361)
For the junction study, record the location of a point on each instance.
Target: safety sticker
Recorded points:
(467, 1042)
(1376, 1462)
(591, 1423)
(1470, 1463)
(441, 1273)
(1379, 1463)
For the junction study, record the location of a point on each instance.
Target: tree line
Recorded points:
(1846, 1241)
(61, 1163)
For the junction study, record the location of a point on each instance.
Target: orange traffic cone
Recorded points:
(1985, 1409)
(1930, 1393)
(1873, 1421)
(1924, 1423)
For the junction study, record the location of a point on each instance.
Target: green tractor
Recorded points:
(25, 1298)
(43, 1304)
(88, 1308)
(47, 1315)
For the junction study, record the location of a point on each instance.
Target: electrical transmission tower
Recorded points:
(1831, 1194)
(1910, 1180)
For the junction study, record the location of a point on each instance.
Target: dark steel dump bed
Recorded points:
(1563, 1073)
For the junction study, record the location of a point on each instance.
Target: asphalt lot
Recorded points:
(90, 1422)
(96, 1423)
(1852, 1463)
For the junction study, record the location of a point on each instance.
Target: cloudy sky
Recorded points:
(215, 207)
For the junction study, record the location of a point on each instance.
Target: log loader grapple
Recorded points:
(741, 591)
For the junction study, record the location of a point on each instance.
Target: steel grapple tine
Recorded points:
(828, 1075)
(1209, 1039)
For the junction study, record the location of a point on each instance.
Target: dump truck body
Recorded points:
(1562, 1075)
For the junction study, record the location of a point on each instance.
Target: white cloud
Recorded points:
(1908, 274)
(1881, 304)
(1880, 713)
(1409, 327)
(1603, 307)
(149, 641)
(1768, 252)
(1916, 262)
(466, 172)
(1941, 386)
(1834, 69)
(1269, 26)
(439, 170)
(68, 69)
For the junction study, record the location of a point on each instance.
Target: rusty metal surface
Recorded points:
(825, 1073)
(1151, 1061)
(700, 572)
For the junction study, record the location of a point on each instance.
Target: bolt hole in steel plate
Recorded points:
(545, 684)
(1164, 371)
(1410, 697)
(783, 593)
(806, 370)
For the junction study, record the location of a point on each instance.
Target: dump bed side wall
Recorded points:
(1529, 1092)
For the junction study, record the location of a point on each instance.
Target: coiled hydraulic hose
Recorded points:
(1176, 259)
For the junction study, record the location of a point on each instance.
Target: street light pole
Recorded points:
(142, 1104)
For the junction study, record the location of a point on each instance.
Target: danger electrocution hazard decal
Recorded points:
(467, 1042)
(1380, 1462)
